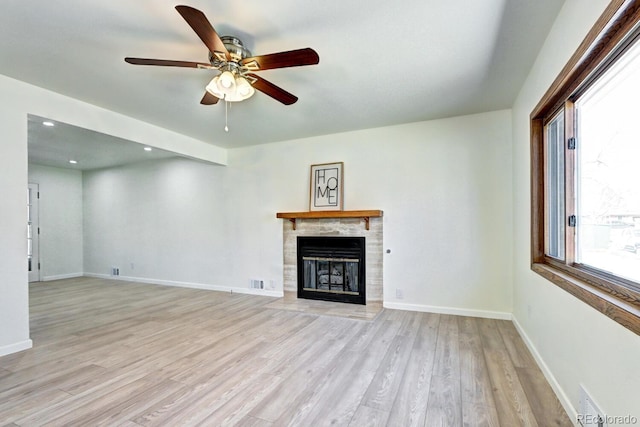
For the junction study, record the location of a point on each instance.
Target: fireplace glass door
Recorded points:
(331, 268)
(337, 275)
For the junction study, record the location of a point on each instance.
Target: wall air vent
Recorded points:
(589, 414)
(256, 283)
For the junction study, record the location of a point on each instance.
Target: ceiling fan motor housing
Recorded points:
(236, 50)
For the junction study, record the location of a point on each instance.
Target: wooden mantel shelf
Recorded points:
(364, 214)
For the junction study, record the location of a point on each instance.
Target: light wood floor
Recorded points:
(130, 354)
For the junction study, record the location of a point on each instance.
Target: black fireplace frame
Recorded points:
(335, 247)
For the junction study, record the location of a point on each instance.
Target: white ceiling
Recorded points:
(381, 62)
(57, 145)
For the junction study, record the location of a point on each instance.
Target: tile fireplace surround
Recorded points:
(346, 227)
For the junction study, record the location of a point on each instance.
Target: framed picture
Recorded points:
(326, 192)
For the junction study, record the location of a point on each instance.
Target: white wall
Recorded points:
(159, 220)
(444, 186)
(576, 343)
(60, 209)
(17, 100)
(14, 298)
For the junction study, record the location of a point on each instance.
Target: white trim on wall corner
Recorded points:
(261, 292)
(62, 277)
(448, 310)
(562, 396)
(16, 347)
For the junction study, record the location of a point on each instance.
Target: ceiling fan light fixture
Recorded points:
(239, 90)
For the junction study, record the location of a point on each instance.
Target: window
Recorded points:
(585, 141)
(608, 179)
(555, 216)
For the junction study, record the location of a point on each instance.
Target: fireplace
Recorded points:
(331, 268)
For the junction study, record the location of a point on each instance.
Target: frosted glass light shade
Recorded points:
(227, 82)
(213, 88)
(243, 88)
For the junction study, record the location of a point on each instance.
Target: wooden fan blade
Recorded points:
(203, 29)
(209, 99)
(292, 58)
(272, 90)
(166, 63)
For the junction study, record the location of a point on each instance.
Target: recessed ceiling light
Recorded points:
(148, 148)
(47, 123)
(73, 162)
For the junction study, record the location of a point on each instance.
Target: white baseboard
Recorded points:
(562, 396)
(261, 292)
(62, 276)
(16, 347)
(448, 310)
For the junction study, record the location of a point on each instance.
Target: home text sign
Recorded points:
(326, 187)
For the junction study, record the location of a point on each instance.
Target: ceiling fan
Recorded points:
(227, 54)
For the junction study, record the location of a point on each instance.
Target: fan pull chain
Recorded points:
(226, 115)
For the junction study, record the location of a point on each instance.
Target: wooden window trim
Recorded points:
(606, 293)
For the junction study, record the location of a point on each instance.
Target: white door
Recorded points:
(33, 234)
